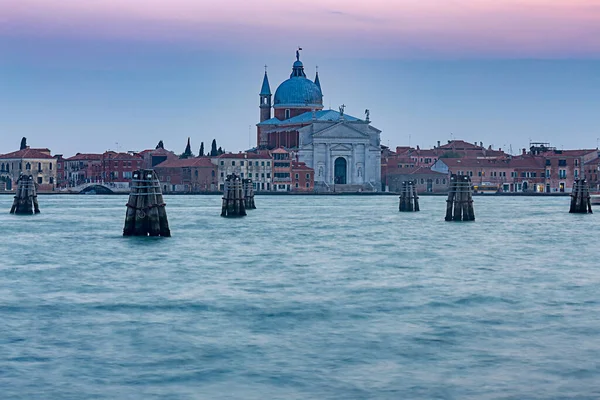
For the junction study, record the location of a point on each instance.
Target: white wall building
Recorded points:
(342, 150)
(258, 167)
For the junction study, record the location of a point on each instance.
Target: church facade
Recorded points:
(344, 151)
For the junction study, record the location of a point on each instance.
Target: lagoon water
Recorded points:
(305, 298)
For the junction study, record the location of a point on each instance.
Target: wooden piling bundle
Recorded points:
(459, 206)
(146, 214)
(248, 194)
(409, 201)
(26, 201)
(581, 201)
(233, 197)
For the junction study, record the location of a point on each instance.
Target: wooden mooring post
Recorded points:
(459, 206)
(233, 197)
(581, 201)
(146, 214)
(409, 201)
(248, 194)
(26, 201)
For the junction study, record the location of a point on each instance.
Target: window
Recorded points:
(548, 163)
(576, 162)
(256, 175)
(222, 162)
(479, 173)
(562, 174)
(297, 184)
(127, 174)
(287, 114)
(269, 175)
(576, 172)
(242, 175)
(241, 163)
(307, 176)
(562, 163)
(297, 177)
(307, 184)
(40, 166)
(222, 175)
(444, 181)
(422, 181)
(262, 163)
(437, 181)
(268, 163)
(233, 163)
(256, 163)
(27, 166)
(40, 181)
(262, 175)
(51, 179)
(50, 166)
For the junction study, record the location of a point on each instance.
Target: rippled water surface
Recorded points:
(305, 298)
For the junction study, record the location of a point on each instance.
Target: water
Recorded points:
(306, 298)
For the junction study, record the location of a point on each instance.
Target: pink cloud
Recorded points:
(535, 28)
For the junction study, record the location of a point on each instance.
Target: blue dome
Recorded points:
(298, 92)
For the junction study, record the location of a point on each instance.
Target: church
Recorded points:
(344, 151)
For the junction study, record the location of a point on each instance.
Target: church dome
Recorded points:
(298, 91)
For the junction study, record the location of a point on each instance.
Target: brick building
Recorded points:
(192, 175)
(119, 167)
(82, 168)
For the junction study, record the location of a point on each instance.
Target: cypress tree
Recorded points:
(23, 143)
(213, 148)
(201, 154)
(220, 151)
(160, 145)
(188, 151)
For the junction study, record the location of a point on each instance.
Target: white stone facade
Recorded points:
(257, 167)
(342, 152)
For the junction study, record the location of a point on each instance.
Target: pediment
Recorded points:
(341, 147)
(340, 131)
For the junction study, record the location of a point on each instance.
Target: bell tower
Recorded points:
(265, 99)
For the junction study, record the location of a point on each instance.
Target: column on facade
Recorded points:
(353, 173)
(366, 167)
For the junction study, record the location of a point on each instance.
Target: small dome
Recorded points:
(299, 92)
(298, 64)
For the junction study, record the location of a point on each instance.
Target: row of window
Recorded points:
(262, 163)
(6, 167)
(262, 175)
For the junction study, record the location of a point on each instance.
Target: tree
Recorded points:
(23, 143)
(160, 145)
(201, 154)
(213, 148)
(220, 151)
(188, 151)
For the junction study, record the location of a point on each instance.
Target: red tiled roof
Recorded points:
(568, 153)
(460, 145)
(186, 162)
(280, 150)
(415, 170)
(84, 157)
(300, 166)
(245, 155)
(111, 155)
(26, 153)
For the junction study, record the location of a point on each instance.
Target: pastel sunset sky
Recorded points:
(91, 75)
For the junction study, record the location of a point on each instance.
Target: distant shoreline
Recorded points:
(563, 194)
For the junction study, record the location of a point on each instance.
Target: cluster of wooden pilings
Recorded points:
(459, 206)
(409, 201)
(146, 214)
(581, 201)
(248, 194)
(26, 197)
(233, 197)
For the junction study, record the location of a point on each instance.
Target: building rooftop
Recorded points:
(186, 162)
(27, 153)
(322, 115)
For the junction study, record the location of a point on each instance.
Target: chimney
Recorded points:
(480, 144)
(439, 144)
(524, 151)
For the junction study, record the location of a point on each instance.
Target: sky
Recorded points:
(94, 75)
